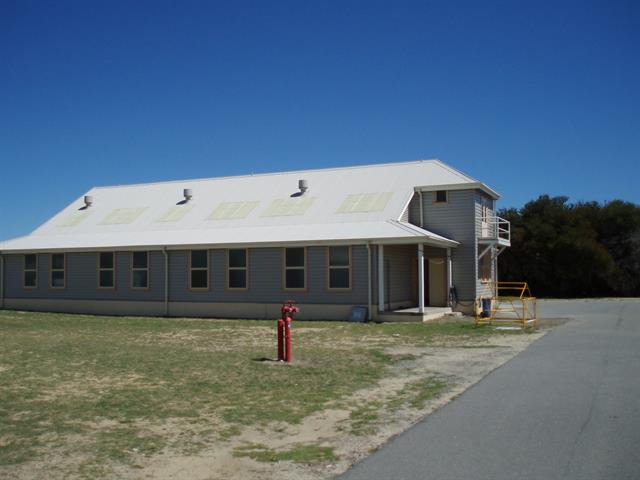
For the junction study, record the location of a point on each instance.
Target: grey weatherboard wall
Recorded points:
(265, 278)
(81, 278)
(454, 219)
(398, 289)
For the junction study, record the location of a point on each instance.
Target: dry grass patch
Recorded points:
(86, 397)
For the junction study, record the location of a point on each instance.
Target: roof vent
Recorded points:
(88, 201)
(188, 194)
(303, 185)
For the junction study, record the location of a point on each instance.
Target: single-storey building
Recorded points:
(401, 236)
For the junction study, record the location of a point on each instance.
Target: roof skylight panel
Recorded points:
(365, 202)
(232, 210)
(73, 219)
(285, 207)
(122, 216)
(175, 214)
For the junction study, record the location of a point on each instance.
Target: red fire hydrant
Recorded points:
(284, 330)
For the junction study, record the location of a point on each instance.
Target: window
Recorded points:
(199, 275)
(30, 272)
(106, 270)
(294, 268)
(237, 269)
(57, 270)
(440, 196)
(140, 270)
(339, 264)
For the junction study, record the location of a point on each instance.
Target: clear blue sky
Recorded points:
(529, 97)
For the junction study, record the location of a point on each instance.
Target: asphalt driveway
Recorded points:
(568, 407)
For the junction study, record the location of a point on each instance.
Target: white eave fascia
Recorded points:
(420, 234)
(413, 235)
(307, 243)
(460, 186)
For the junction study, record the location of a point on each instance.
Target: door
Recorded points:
(436, 282)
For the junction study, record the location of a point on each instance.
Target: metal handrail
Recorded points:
(520, 288)
(511, 302)
(499, 228)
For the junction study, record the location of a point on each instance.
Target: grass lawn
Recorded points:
(102, 390)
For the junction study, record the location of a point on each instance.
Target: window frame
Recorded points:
(132, 269)
(25, 270)
(440, 202)
(285, 268)
(63, 270)
(199, 269)
(348, 267)
(245, 268)
(100, 269)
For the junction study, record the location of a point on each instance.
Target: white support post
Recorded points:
(494, 267)
(380, 278)
(449, 269)
(420, 278)
(484, 252)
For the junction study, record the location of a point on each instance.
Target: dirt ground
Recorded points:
(464, 364)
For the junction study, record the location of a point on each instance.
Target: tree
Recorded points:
(574, 250)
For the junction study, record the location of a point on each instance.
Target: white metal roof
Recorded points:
(362, 203)
(387, 232)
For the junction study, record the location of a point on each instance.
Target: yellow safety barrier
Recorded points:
(511, 303)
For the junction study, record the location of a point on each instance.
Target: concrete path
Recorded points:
(566, 408)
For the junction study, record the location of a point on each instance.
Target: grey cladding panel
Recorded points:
(265, 278)
(456, 220)
(397, 266)
(81, 277)
(414, 210)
